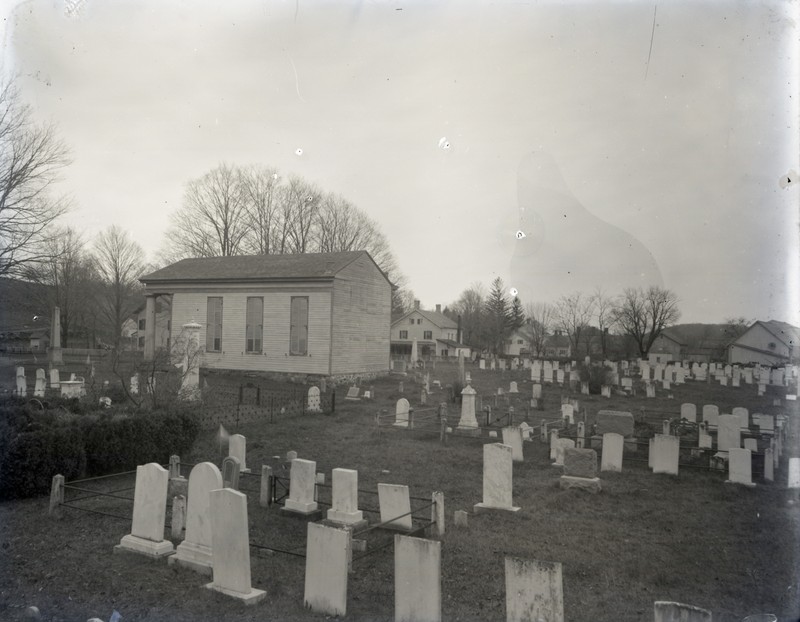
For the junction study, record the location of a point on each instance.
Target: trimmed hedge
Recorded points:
(36, 444)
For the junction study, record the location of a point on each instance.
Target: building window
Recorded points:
(141, 343)
(141, 324)
(214, 324)
(419, 321)
(519, 342)
(411, 321)
(254, 326)
(403, 334)
(428, 334)
(298, 330)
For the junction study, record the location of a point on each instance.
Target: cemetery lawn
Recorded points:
(690, 538)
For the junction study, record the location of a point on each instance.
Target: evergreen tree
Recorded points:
(517, 314)
(499, 319)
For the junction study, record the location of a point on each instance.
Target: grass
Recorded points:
(644, 538)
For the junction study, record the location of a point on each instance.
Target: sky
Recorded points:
(562, 146)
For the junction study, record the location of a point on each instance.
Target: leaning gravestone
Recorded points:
(394, 502)
(231, 549)
(195, 551)
(149, 513)
(512, 436)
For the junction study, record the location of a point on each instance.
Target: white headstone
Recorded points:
(534, 591)
(237, 447)
(793, 480)
(568, 413)
(345, 498)
(497, 478)
(611, 459)
(327, 555)
(417, 579)
(41, 383)
(22, 385)
(149, 513)
(677, 612)
(728, 433)
(742, 414)
(561, 446)
(195, 551)
(739, 467)
(689, 412)
(55, 380)
(665, 452)
(302, 484)
(513, 387)
(512, 436)
(468, 420)
(395, 506)
(711, 414)
(231, 546)
(401, 413)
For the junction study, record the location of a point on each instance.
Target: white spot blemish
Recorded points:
(298, 152)
(513, 291)
(444, 143)
(520, 235)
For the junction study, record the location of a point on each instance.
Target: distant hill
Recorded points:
(20, 303)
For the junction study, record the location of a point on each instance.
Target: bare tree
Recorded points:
(71, 283)
(604, 314)
(119, 262)
(470, 306)
(300, 202)
(644, 314)
(31, 157)
(539, 324)
(259, 186)
(573, 313)
(213, 221)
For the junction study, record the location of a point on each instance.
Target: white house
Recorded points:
(767, 343)
(436, 334)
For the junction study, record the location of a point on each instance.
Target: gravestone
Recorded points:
(352, 393)
(580, 434)
(195, 551)
(512, 436)
(460, 518)
(711, 414)
(627, 383)
(605, 391)
(537, 391)
(291, 455)
(55, 381)
(237, 447)
(22, 385)
(611, 459)
(231, 546)
(149, 513)
(664, 611)
(553, 443)
(395, 506)
(704, 440)
(302, 486)
(769, 466)
(513, 387)
(534, 591)
(313, 400)
(561, 446)
(568, 413)
(728, 433)
(766, 424)
(580, 470)
(743, 415)
(548, 372)
(417, 579)
(230, 472)
(497, 479)
(482, 364)
(468, 423)
(327, 557)
(560, 376)
(751, 444)
(401, 413)
(650, 390)
(423, 397)
(344, 508)
(689, 412)
(793, 480)
(739, 467)
(526, 430)
(619, 422)
(664, 454)
(41, 383)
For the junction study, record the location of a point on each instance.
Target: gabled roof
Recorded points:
(557, 341)
(452, 344)
(437, 319)
(788, 334)
(287, 267)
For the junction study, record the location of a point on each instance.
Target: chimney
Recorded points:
(458, 331)
(438, 308)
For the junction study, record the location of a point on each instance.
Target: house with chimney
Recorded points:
(767, 343)
(436, 334)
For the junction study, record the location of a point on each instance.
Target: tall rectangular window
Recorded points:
(428, 334)
(298, 326)
(214, 324)
(254, 324)
(403, 334)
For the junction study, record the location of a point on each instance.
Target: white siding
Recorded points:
(275, 356)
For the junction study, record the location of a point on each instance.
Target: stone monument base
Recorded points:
(193, 556)
(148, 548)
(252, 597)
(351, 520)
(482, 507)
(304, 510)
(592, 484)
(467, 431)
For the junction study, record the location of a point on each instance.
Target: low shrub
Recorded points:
(36, 444)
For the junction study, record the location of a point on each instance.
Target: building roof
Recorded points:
(788, 334)
(437, 319)
(557, 341)
(287, 267)
(453, 344)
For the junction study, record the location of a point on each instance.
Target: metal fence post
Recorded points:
(56, 496)
(265, 498)
(437, 513)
